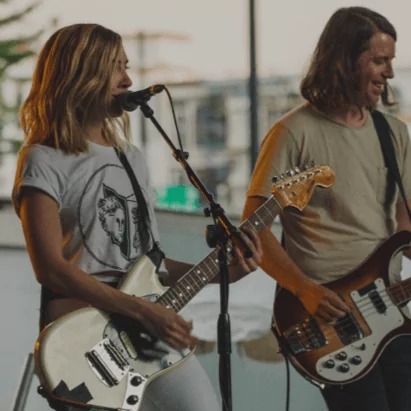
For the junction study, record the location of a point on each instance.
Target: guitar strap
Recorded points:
(156, 255)
(384, 134)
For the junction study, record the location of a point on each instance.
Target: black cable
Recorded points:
(287, 395)
(174, 119)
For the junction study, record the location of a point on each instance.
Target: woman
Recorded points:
(82, 222)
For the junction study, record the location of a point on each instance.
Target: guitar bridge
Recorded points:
(305, 336)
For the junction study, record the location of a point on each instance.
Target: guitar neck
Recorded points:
(199, 276)
(400, 293)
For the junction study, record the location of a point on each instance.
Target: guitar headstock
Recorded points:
(296, 187)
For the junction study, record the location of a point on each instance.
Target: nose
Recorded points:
(388, 72)
(126, 81)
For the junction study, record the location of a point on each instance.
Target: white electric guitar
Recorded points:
(92, 357)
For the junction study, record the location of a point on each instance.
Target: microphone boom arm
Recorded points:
(215, 209)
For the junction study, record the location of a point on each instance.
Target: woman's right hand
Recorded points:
(168, 326)
(322, 302)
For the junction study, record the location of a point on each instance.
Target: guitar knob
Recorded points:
(166, 362)
(344, 368)
(329, 363)
(136, 381)
(132, 400)
(342, 356)
(356, 360)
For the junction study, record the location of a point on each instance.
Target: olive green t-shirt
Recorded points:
(341, 225)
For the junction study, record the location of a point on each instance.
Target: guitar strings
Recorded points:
(372, 308)
(177, 299)
(347, 322)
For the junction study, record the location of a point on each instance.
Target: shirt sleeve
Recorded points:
(279, 152)
(36, 168)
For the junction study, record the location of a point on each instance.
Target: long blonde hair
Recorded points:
(71, 83)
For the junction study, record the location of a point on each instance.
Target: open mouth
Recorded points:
(379, 86)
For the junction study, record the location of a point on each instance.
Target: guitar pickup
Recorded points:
(348, 330)
(107, 363)
(378, 302)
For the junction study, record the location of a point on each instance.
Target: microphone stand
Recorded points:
(224, 230)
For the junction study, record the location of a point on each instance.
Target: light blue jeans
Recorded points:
(186, 388)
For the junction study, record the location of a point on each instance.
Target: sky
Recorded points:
(217, 30)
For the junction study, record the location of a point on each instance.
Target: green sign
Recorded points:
(178, 198)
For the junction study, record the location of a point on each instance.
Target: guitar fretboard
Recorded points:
(401, 292)
(199, 276)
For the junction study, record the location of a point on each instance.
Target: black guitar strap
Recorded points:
(155, 254)
(384, 134)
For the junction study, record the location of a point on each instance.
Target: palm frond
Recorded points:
(18, 15)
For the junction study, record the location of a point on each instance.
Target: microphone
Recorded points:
(130, 100)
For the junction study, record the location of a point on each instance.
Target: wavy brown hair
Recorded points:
(71, 84)
(331, 78)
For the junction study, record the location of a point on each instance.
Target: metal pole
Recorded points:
(25, 383)
(253, 89)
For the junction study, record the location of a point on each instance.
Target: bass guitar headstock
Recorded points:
(295, 188)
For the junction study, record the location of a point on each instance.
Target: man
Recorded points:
(343, 225)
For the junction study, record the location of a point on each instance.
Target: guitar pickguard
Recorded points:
(382, 316)
(126, 348)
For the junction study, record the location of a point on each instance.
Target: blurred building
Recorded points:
(213, 118)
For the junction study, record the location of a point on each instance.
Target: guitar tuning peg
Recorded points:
(275, 179)
(313, 163)
(305, 166)
(282, 176)
(297, 170)
(290, 173)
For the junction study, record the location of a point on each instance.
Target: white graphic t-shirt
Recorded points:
(98, 209)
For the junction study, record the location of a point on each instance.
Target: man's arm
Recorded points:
(42, 230)
(404, 223)
(276, 263)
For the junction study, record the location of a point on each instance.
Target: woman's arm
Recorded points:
(42, 230)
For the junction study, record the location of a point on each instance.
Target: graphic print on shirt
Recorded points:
(114, 218)
(113, 237)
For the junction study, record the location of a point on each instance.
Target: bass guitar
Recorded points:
(345, 351)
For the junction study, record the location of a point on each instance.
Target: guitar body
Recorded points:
(110, 356)
(344, 352)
